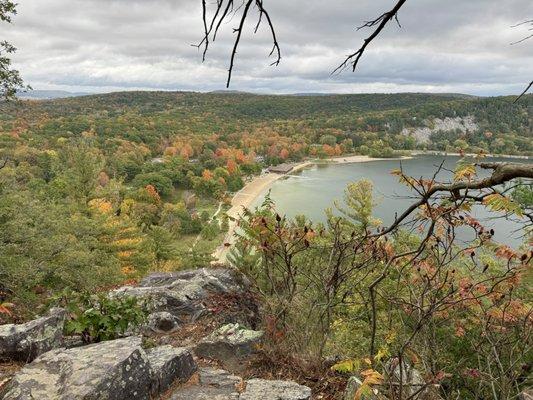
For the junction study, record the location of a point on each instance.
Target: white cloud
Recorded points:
(103, 45)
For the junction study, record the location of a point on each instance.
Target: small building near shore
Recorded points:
(281, 168)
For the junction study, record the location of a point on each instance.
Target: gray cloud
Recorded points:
(104, 45)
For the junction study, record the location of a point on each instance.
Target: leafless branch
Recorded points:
(380, 22)
(529, 21)
(527, 36)
(524, 92)
(224, 11)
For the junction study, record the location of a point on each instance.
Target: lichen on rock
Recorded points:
(24, 342)
(229, 342)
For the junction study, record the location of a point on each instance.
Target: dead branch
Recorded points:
(524, 92)
(381, 22)
(224, 11)
(530, 21)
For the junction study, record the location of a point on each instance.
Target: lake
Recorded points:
(314, 189)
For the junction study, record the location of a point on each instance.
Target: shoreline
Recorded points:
(360, 159)
(245, 197)
(259, 184)
(447, 154)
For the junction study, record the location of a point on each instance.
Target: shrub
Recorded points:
(98, 317)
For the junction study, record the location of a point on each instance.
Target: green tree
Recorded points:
(162, 244)
(162, 183)
(77, 169)
(359, 204)
(10, 80)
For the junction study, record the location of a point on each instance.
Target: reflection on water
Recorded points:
(312, 190)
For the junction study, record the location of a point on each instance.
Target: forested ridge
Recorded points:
(152, 117)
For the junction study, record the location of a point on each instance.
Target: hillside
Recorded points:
(366, 119)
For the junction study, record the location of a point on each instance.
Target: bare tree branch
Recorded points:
(381, 22)
(224, 11)
(524, 92)
(530, 22)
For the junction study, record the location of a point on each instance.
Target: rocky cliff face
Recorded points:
(422, 134)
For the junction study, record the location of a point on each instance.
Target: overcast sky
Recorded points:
(106, 45)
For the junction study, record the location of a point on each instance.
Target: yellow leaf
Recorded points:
(346, 366)
(382, 353)
(499, 203)
(464, 171)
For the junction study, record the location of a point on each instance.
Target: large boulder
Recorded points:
(212, 384)
(217, 384)
(229, 342)
(24, 342)
(113, 370)
(181, 293)
(170, 364)
(261, 389)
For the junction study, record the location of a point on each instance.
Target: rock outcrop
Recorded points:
(217, 384)
(122, 369)
(229, 342)
(113, 370)
(412, 381)
(353, 385)
(116, 369)
(162, 322)
(213, 384)
(181, 293)
(423, 134)
(24, 342)
(169, 365)
(262, 389)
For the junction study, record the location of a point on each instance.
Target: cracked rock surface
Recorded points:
(230, 341)
(24, 342)
(181, 293)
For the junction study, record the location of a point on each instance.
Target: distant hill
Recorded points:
(227, 91)
(49, 94)
(401, 121)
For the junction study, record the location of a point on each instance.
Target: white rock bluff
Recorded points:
(422, 134)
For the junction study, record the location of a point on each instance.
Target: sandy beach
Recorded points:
(253, 189)
(244, 198)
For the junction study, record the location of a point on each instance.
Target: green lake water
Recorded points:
(312, 190)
